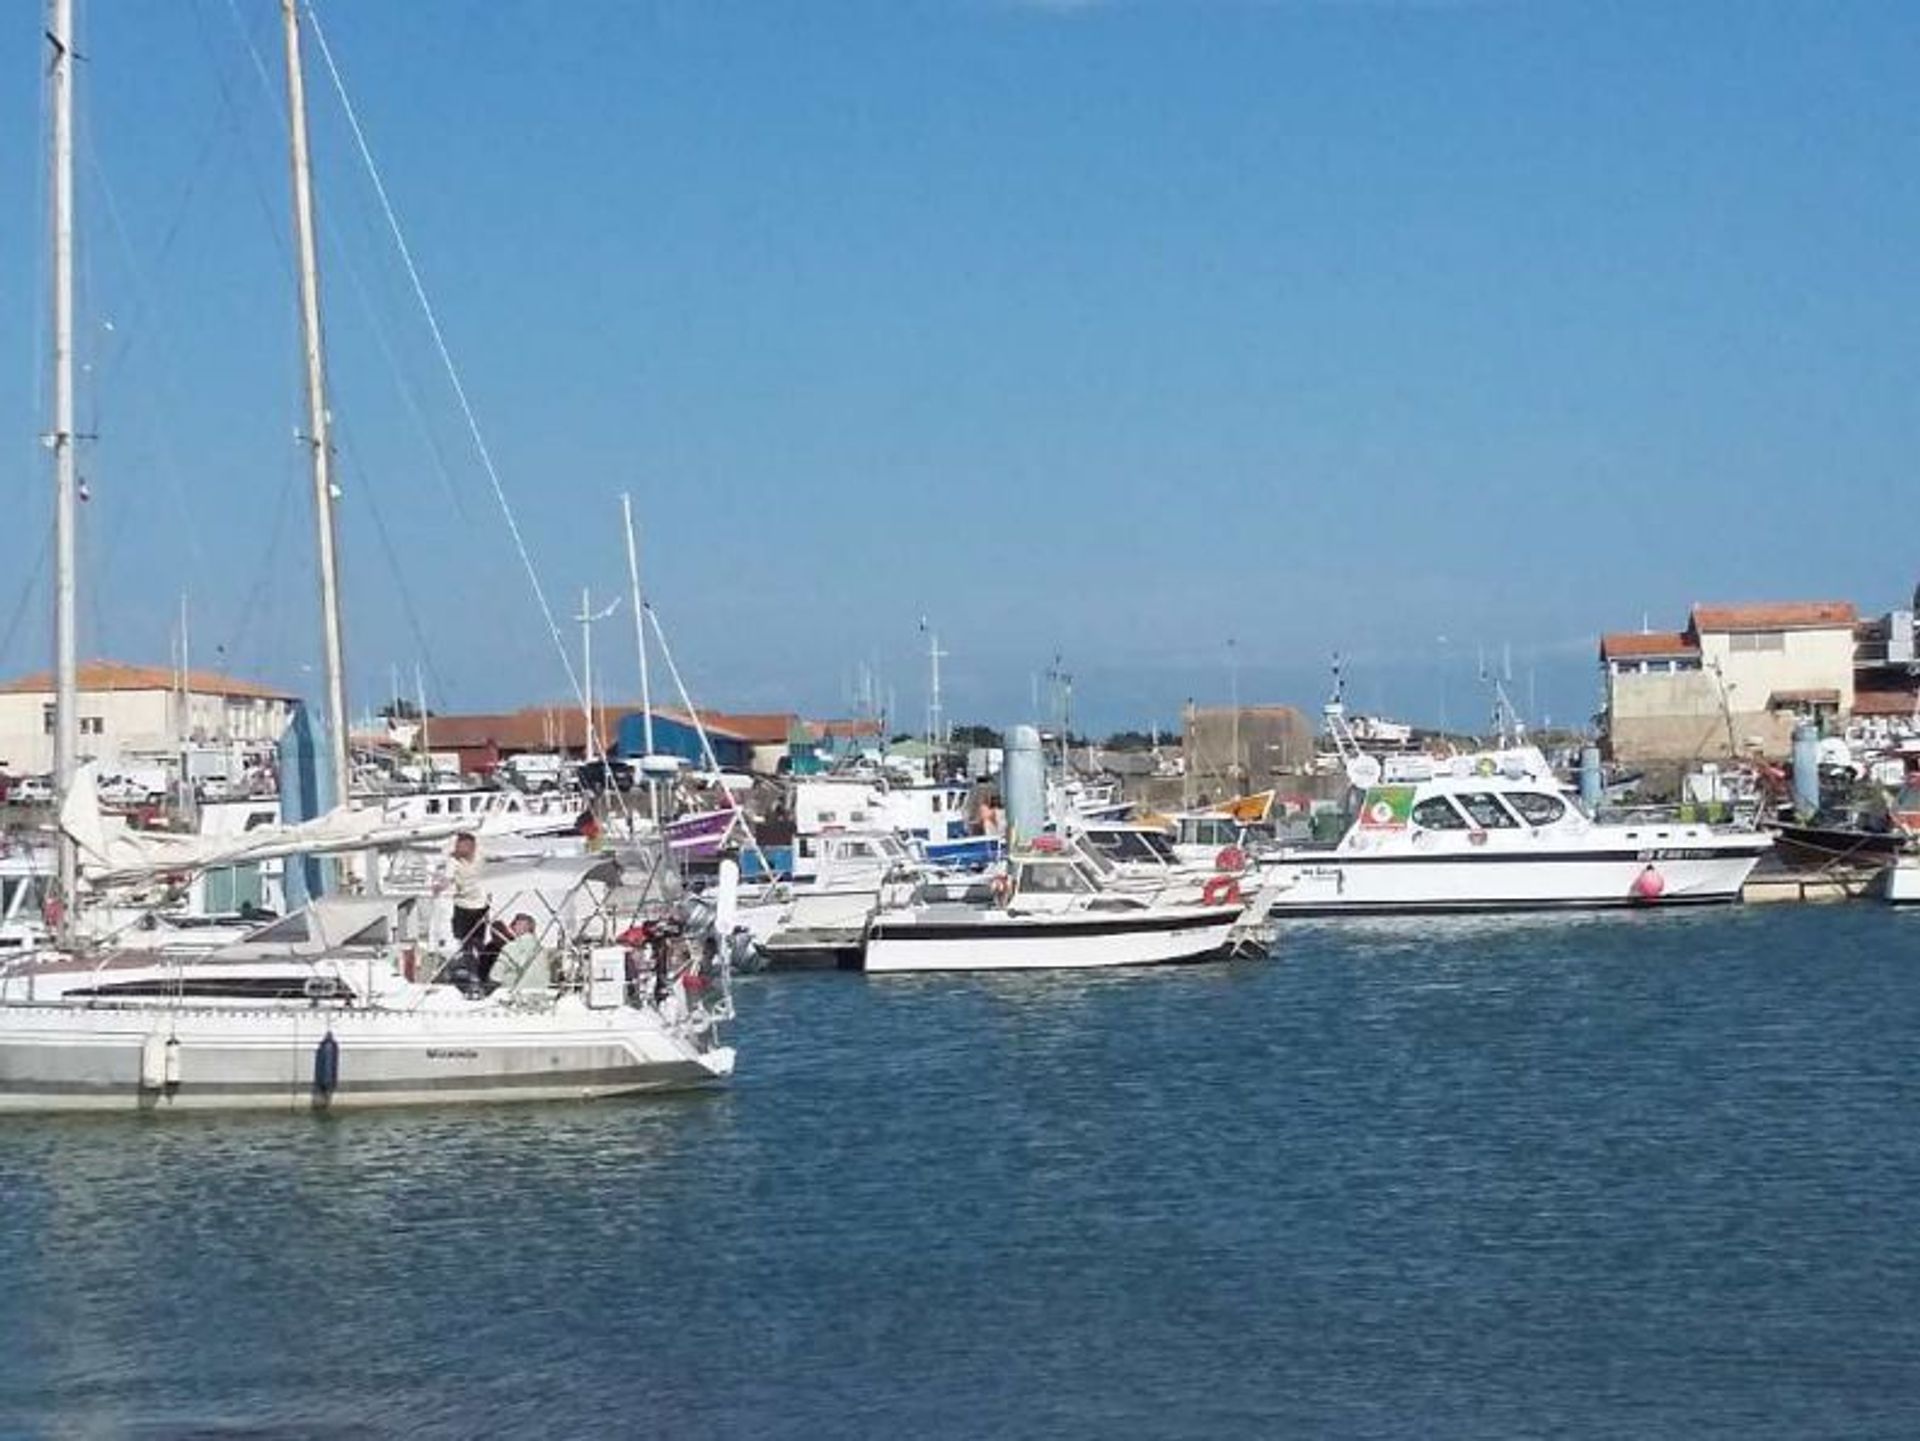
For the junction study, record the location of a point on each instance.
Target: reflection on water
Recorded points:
(1634, 1174)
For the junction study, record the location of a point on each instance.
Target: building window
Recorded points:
(93, 725)
(1757, 640)
(46, 720)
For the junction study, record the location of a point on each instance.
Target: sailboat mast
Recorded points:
(66, 717)
(318, 420)
(639, 621)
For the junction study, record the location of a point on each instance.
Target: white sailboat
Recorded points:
(336, 1005)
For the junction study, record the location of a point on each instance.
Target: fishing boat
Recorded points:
(1496, 832)
(1048, 910)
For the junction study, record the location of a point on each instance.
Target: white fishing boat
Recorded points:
(1496, 832)
(1048, 910)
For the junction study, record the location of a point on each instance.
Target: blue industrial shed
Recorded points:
(674, 735)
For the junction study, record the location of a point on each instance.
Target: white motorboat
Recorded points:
(1496, 832)
(338, 1005)
(1048, 910)
(826, 909)
(1142, 859)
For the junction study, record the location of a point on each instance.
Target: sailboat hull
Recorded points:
(63, 1057)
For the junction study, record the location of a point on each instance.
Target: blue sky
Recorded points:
(1117, 330)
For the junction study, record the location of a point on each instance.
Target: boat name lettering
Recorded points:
(441, 1054)
(1682, 853)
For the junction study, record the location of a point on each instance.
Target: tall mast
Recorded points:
(318, 420)
(66, 716)
(640, 640)
(934, 656)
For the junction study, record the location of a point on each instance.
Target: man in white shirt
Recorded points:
(469, 896)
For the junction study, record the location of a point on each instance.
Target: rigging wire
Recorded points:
(446, 356)
(408, 392)
(367, 491)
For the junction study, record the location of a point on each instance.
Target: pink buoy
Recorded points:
(1649, 885)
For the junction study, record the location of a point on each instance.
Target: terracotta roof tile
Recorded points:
(111, 675)
(1775, 615)
(1646, 643)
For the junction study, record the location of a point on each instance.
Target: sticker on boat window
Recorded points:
(1387, 808)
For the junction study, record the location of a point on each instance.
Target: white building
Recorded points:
(1733, 682)
(128, 711)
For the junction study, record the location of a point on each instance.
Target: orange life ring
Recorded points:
(1221, 891)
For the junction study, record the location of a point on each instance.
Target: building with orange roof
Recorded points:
(138, 710)
(1733, 682)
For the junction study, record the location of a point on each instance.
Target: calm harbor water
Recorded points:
(1628, 1175)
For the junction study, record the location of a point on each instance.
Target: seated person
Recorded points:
(521, 964)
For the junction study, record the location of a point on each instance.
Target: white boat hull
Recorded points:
(67, 1057)
(928, 940)
(1903, 881)
(1329, 883)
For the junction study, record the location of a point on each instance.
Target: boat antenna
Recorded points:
(319, 421)
(60, 439)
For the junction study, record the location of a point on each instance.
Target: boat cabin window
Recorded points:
(287, 928)
(1159, 845)
(1487, 812)
(375, 933)
(433, 806)
(1535, 808)
(1436, 813)
(1051, 878)
(1123, 845)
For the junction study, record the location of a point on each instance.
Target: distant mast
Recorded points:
(318, 420)
(66, 717)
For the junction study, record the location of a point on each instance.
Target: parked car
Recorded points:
(129, 791)
(32, 791)
(594, 775)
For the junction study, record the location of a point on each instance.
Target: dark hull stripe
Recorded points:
(1060, 930)
(1282, 911)
(1650, 854)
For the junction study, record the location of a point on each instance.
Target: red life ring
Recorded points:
(1221, 891)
